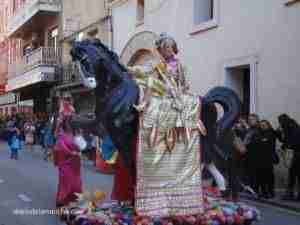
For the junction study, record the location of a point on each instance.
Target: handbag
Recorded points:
(239, 145)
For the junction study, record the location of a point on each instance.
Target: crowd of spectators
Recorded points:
(253, 159)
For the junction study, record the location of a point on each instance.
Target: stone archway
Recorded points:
(138, 48)
(140, 57)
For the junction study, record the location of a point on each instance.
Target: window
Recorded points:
(27, 49)
(203, 11)
(53, 38)
(140, 11)
(205, 15)
(13, 109)
(14, 6)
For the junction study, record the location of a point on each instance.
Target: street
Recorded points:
(276, 216)
(30, 183)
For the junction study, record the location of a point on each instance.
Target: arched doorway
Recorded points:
(138, 49)
(140, 57)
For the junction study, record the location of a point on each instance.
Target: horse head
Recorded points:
(98, 66)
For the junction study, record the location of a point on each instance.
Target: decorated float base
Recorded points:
(217, 211)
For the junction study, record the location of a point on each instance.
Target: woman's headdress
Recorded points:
(164, 38)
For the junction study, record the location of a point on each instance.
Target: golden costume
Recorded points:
(168, 153)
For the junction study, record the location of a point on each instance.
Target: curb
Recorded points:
(273, 203)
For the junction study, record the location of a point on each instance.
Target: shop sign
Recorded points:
(8, 98)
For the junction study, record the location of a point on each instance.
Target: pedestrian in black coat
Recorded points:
(266, 160)
(289, 134)
(232, 167)
(252, 142)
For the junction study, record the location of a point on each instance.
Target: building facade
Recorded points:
(80, 20)
(250, 46)
(34, 54)
(8, 104)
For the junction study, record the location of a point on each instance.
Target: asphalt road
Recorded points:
(276, 216)
(30, 183)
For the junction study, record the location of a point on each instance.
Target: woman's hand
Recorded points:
(141, 107)
(186, 89)
(145, 102)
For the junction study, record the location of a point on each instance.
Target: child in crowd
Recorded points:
(14, 143)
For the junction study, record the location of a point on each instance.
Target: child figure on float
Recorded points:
(166, 77)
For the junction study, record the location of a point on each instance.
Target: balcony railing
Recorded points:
(28, 9)
(43, 56)
(70, 75)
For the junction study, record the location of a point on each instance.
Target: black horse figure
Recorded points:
(116, 94)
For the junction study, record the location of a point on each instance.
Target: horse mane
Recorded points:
(113, 56)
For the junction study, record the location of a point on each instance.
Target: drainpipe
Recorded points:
(110, 21)
(111, 32)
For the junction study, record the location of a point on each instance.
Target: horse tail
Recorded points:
(231, 105)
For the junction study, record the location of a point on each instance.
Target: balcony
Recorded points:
(33, 14)
(38, 66)
(70, 79)
(70, 75)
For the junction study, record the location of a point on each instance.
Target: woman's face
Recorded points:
(264, 126)
(167, 50)
(253, 121)
(239, 126)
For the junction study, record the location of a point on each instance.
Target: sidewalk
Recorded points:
(290, 205)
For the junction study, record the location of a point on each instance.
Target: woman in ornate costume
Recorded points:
(168, 156)
(164, 75)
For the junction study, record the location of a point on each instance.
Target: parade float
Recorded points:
(92, 209)
(163, 143)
